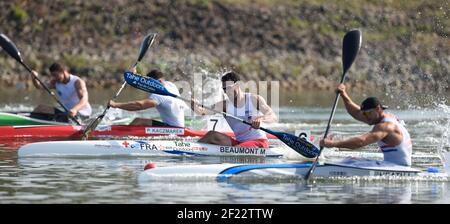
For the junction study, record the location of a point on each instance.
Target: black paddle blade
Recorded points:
(146, 43)
(300, 145)
(350, 48)
(10, 47)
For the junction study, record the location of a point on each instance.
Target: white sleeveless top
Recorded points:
(244, 132)
(69, 97)
(399, 154)
(171, 109)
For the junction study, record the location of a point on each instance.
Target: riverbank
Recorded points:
(405, 43)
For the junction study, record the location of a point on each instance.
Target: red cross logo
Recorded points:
(125, 143)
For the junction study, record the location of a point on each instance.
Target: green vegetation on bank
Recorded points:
(295, 41)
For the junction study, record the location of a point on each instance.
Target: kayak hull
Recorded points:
(23, 118)
(224, 172)
(114, 148)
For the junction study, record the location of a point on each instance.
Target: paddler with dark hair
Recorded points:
(71, 90)
(249, 107)
(389, 133)
(171, 110)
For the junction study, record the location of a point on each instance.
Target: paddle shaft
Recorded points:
(227, 115)
(75, 119)
(333, 110)
(119, 91)
(150, 85)
(97, 120)
(121, 88)
(12, 50)
(350, 48)
(298, 144)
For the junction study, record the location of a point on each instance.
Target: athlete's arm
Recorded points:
(82, 93)
(378, 133)
(268, 115)
(134, 105)
(201, 110)
(37, 84)
(352, 108)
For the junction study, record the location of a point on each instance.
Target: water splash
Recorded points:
(16, 108)
(444, 145)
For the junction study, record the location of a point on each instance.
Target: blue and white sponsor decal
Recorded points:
(143, 145)
(146, 84)
(301, 145)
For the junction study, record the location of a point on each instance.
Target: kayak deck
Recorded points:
(74, 131)
(99, 148)
(26, 118)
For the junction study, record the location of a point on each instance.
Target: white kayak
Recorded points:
(98, 148)
(221, 172)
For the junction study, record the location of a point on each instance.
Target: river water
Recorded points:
(114, 180)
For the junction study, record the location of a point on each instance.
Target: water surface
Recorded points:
(114, 180)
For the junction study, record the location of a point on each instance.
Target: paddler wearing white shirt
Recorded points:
(389, 133)
(71, 91)
(171, 109)
(249, 107)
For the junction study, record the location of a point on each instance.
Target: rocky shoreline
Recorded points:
(405, 47)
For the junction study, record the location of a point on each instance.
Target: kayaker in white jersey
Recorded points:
(171, 110)
(389, 133)
(250, 107)
(71, 91)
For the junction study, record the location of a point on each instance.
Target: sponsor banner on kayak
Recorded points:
(181, 146)
(392, 173)
(185, 146)
(164, 131)
(103, 128)
(143, 145)
(241, 150)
